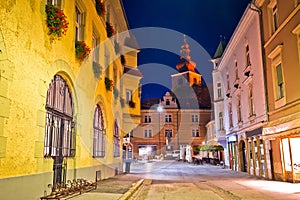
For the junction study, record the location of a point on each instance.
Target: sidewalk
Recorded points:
(112, 188)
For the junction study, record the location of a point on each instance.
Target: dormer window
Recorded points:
(168, 102)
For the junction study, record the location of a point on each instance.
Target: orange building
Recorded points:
(176, 122)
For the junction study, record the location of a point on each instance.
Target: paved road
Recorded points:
(178, 180)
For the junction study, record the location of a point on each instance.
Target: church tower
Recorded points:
(187, 74)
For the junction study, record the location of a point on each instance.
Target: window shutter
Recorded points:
(279, 74)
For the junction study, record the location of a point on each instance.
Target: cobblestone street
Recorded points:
(177, 180)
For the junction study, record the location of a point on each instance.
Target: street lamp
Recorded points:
(159, 110)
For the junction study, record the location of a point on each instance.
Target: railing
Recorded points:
(71, 188)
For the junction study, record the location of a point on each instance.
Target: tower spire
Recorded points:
(185, 50)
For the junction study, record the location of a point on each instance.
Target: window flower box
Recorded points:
(100, 7)
(109, 84)
(82, 50)
(131, 104)
(56, 21)
(109, 29)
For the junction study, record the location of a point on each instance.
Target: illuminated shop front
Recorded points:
(256, 153)
(285, 146)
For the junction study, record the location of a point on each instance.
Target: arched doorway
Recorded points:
(59, 141)
(243, 157)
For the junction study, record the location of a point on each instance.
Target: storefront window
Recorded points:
(286, 154)
(262, 157)
(295, 149)
(250, 152)
(256, 154)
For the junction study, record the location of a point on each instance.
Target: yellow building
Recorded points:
(281, 28)
(61, 93)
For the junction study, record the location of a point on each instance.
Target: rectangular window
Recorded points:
(273, 16)
(79, 21)
(279, 82)
(230, 114)
(236, 70)
(248, 63)
(239, 109)
(168, 118)
(96, 40)
(219, 89)
(251, 101)
(195, 133)
(54, 3)
(168, 133)
(195, 118)
(128, 95)
(227, 81)
(221, 122)
(148, 133)
(147, 119)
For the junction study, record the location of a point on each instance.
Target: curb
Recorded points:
(131, 191)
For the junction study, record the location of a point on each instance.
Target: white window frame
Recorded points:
(79, 23)
(273, 15)
(219, 90)
(128, 95)
(296, 31)
(276, 60)
(168, 118)
(195, 133)
(251, 100)
(195, 118)
(221, 121)
(148, 133)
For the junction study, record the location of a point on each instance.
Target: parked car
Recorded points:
(176, 154)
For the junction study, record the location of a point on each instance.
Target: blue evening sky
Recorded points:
(202, 21)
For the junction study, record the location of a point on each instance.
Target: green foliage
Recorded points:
(56, 22)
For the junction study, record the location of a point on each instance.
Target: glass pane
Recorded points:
(286, 154)
(295, 149)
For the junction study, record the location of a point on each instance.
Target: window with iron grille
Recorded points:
(116, 140)
(99, 136)
(59, 134)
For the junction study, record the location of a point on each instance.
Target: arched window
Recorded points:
(99, 139)
(59, 137)
(116, 140)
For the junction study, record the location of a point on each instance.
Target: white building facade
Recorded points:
(243, 97)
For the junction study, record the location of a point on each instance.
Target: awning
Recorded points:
(282, 130)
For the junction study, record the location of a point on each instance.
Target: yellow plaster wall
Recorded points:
(29, 65)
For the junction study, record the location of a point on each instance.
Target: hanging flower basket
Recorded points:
(56, 22)
(109, 84)
(82, 50)
(109, 29)
(100, 8)
(131, 104)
